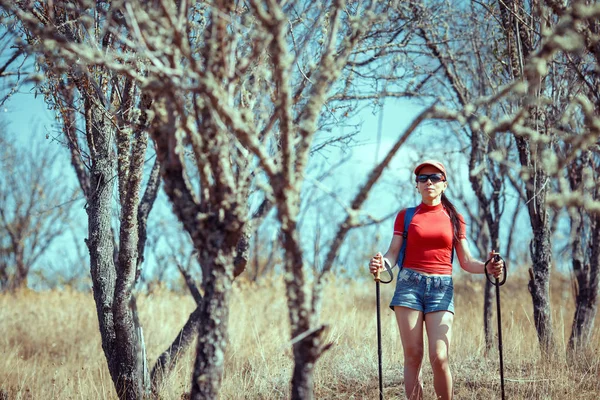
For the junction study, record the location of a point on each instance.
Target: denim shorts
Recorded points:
(423, 293)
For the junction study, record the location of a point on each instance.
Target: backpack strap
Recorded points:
(408, 216)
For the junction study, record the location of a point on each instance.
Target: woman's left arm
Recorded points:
(470, 264)
(467, 262)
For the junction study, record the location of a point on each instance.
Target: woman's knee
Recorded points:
(413, 356)
(438, 359)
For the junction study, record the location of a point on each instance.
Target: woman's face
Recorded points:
(429, 190)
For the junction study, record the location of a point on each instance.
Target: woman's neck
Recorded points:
(432, 202)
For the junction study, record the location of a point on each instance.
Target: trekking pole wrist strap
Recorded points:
(496, 282)
(388, 268)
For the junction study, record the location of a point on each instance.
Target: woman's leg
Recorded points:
(410, 323)
(439, 334)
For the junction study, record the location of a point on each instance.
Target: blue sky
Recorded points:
(29, 120)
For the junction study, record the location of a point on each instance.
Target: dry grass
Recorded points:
(50, 348)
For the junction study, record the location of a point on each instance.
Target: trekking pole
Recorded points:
(498, 284)
(377, 279)
(377, 294)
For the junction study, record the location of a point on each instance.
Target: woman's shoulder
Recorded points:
(405, 210)
(402, 213)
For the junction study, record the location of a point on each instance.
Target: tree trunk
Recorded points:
(121, 334)
(586, 300)
(302, 378)
(541, 245)
(519, 46)
(215, 230)
(168, 359)
(490, 289)
(586, 253)
(482, 242)
(212, 334)
(129, 353)
(583, 321)
(306, 337)
(541, 250)
(100, 240)
(19, 280)
(129, 341)
(307, 351)
(539, 287)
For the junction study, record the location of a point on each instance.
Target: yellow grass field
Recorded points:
(50, 347)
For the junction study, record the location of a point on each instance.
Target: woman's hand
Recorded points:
(494, 267)
(376, 263)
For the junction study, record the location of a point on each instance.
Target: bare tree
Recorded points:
(108, 151)
(581, 174)
(521, 40)
(510, 79)
(525, 49)
(585, 241)
(34, 208)
(107, 142)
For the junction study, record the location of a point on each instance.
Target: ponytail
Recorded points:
(451, 210)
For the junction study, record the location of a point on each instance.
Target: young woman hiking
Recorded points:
(424, 291)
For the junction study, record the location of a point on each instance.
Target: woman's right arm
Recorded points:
(391, 255)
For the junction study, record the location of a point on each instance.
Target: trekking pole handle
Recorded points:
(495, 282)
(376, 276)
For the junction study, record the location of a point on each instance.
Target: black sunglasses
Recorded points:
(434, 178)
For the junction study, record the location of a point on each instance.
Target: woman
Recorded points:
(424, 290)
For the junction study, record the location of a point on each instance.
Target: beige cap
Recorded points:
(433, 163)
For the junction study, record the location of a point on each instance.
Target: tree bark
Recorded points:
(212, 333)
(100, 236)
(539, 287)
(587, 275)
(114, 267)
(127, 329)
(307, 351)
(168, 359)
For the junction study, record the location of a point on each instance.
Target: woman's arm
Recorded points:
(394, 250)
(391, 255)
(474, 266)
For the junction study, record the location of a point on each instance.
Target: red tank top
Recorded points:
(429, 247)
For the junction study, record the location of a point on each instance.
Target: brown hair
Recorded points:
(453, 217)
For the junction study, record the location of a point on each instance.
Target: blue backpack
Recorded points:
(408, 216)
